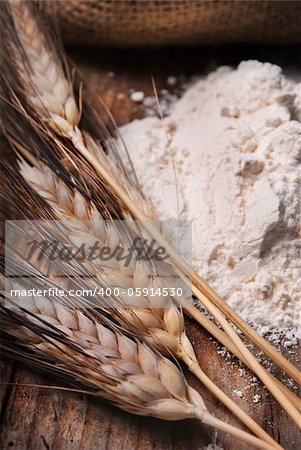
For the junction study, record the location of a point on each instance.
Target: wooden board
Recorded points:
(35, 418)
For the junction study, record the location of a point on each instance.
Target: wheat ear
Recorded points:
(51, 95)
(162, 327)
(49, 91)
(126, 372)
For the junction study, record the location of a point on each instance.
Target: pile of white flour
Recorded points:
(236, 143)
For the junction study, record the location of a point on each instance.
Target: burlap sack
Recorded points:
(178, 22)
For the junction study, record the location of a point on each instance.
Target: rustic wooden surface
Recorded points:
(34, 418)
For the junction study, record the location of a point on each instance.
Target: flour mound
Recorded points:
(236, 143)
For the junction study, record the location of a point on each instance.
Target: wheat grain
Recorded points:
(48, 89)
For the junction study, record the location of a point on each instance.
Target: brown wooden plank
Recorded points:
(6, 375)
(20, 409)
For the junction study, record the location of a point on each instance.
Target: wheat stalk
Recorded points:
(111, 365)
(64, 122)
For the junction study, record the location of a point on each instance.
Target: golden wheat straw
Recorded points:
(162, 327)
(126, 372)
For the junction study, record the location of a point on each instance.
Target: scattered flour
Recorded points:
(236, 143)
(256, 398)
(167, 100)
(238, 393)
(213, 447)
(137, 96)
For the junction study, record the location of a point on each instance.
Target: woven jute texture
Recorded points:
(178, 22)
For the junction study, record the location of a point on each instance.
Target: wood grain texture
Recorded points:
(35, 418)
